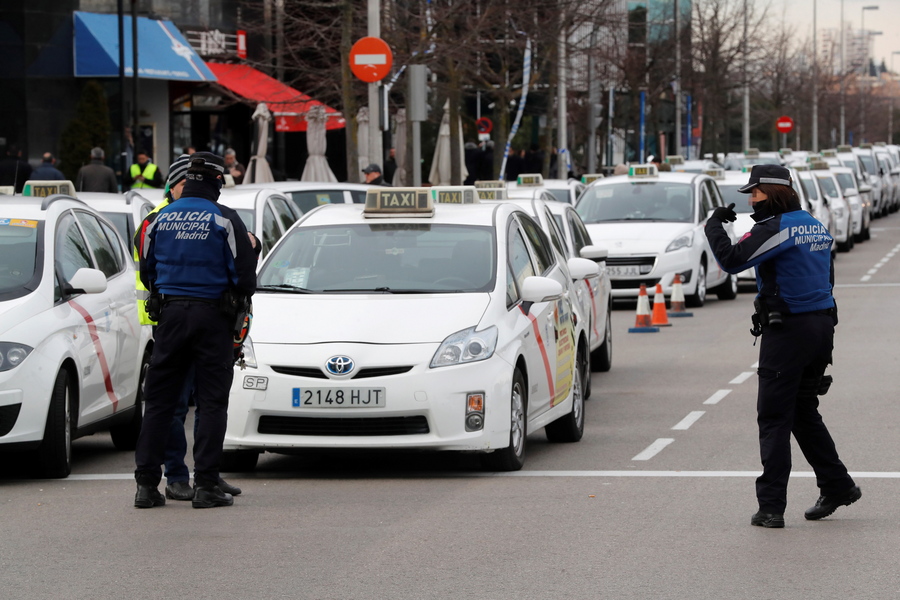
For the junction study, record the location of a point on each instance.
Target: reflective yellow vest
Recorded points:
(149, 172)
(142, 292)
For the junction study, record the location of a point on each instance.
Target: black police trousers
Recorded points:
(189, 331)
(792, 360)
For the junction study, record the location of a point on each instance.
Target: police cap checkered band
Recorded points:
(178, 170)
(768, 174)
(208, 160)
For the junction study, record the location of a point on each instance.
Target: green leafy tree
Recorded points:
(90, 128)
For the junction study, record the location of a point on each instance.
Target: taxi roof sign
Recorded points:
(751, 152)
(715, 173)
(454, 194)
(643, 171)
(41, 188)
(398, 202)
(866, 146)
(492, 194)
(845, 148)
(785, 151)
(879, 144)
(490, 184)
(591, 177)
(675, 159)
(800, 167)
(817, 164)
(829, 153)
(530, 179)
(7, 190)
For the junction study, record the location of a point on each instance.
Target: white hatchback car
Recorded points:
(126, 211)
(427, 327)
(307, 195)
(652, 224)
(266, 213)
(72, 353)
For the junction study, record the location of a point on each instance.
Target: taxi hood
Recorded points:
(635, 237)
(363, 318)
(14, 313)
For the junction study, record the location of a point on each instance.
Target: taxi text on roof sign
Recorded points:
(799, 168)
(675, 159)
(751, 152)
(819, 165)
(530, 179)
(42, 189)
(715, 173)
(492, 194)
(393, 202)
(490, 184)
(591, 177)
(643, 171)
(454, 194)
(845, 148)
(829, 153)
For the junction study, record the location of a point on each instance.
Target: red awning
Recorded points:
(287, 105)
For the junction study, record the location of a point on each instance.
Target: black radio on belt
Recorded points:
(764, 317)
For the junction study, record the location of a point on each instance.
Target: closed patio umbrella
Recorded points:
(316, 168)
(440, 164)
(400, 175)
(258, 170)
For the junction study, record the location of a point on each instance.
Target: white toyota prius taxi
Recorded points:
(405, 323)
(652, 223)
(72, 353)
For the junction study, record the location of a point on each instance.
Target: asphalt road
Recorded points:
(582, 520)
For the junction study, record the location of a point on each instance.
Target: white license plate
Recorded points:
(255, 383)
(632, 271)
(348, 397)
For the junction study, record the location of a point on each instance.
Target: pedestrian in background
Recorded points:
(176, 472)
(795, 314)
(47, 171)
(198, 258)
(373, 175)
(233, 167)
(143, 174)
(390, 166)
(96, 176)
(14, 170)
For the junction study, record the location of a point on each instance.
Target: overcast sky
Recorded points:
(886, 19)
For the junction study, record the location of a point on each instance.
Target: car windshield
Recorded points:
(741, 201)
(868, 164)
(18, 251)
(852, 164)
(383, 258)
(560, 195)
(809, 186)
(248, 217)
(846, 181)
(637, 201)
(120, 220)
(828, 187)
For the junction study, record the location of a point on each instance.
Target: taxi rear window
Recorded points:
(383, 258)
(638, 200)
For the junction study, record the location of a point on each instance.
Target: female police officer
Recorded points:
(197, 256)
(796, 315)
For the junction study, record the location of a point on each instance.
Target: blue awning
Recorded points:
(163, 53)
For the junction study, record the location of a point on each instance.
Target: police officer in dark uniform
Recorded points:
(796, 315)
(198, 260)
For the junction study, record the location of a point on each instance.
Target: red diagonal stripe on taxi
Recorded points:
(540, 341)
(591, 293)
(104, 367)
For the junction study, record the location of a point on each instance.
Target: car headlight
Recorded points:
(684, 241)
(12, 355)
(466, 346)
(249, 354)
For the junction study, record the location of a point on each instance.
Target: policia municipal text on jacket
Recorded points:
(198, 257)
(796, 315)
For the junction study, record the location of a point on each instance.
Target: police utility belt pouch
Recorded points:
(153, 305)
(236, 307)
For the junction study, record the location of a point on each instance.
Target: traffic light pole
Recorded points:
(376, 151)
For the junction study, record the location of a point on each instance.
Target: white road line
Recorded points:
(742, 377)
(653, 449)
(868, 285)
(872, 271)
(755, 365)
(676, 474)
(865, 278)
(689, 420)
(715, 398)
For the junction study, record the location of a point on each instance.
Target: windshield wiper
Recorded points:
(294, 289)
(387, 290)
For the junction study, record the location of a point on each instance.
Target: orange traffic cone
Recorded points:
(677, 300)
(643, 322)
(659, 308)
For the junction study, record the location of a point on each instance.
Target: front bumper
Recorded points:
(424, 407)
(664, 268)
(29, 387)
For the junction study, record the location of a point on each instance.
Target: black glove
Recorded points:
(725, 213)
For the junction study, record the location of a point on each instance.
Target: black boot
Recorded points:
(210, 496)
(147, 496)
(228, 488)
(826, 505)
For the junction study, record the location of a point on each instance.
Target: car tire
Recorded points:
(867, 235)
(729, 289)
(125, 436)
(512, 458)
(570, 428)
(239, 461)
(698, 298)
(54, 455)
(601, 358)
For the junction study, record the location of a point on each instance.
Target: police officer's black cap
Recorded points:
(770, 174)
(209, 161)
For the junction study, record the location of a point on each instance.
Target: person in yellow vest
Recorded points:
(143, 174)
(177, 474)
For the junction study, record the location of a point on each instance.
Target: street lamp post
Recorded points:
(865, 73)
(815, 83)
(891, 94)
(746, 119)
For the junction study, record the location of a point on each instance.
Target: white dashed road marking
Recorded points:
(653, 449)
(742, 377)
(715, 398)
(689, 420)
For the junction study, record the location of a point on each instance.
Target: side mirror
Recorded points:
(594, 253)
(865, 189)
(87, 281)
(850, 192)
(582, 268)
(540, 289)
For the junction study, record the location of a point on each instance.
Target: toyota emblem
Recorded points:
(339, 365)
